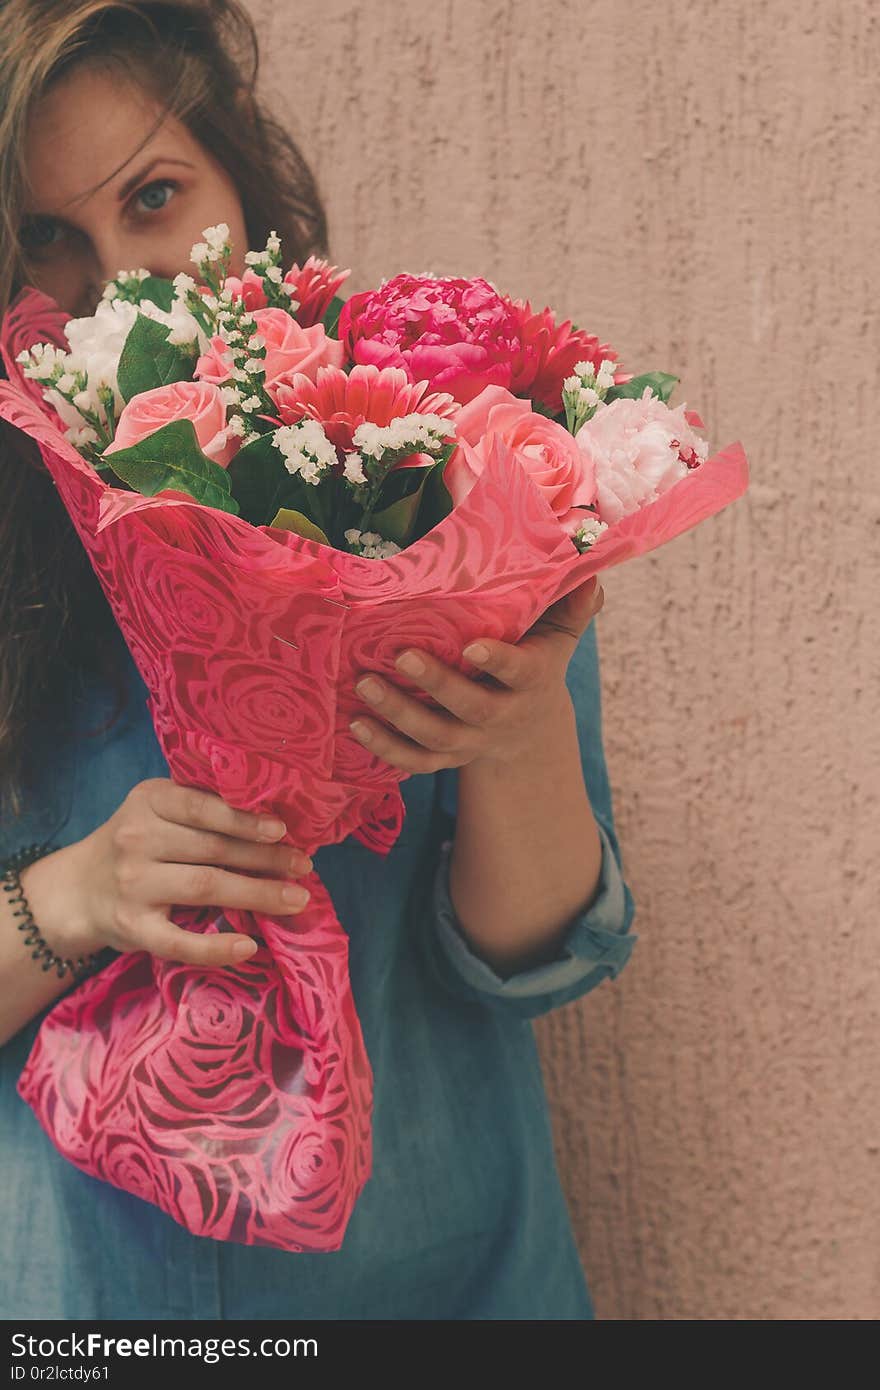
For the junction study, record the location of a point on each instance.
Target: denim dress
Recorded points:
(463, 1216)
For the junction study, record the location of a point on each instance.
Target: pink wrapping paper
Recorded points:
(239, 1099)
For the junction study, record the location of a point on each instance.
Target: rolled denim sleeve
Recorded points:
(598, 942)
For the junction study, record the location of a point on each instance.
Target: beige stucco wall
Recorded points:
(698, 184)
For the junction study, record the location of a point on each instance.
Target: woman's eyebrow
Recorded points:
(124, 190)
(135, 179)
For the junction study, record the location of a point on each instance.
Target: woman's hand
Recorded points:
(498, 721)
(162, 848)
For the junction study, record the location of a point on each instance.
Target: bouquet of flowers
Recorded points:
(278, 490)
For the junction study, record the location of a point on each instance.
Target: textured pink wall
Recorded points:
(698, 184)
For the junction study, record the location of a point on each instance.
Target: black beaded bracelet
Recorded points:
(10, 872)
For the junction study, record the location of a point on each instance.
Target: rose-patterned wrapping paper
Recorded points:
(239, 1099)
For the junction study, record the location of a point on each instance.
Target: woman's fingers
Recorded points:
(206, 885)
(181, 844)
(206, 811)
(163, 938)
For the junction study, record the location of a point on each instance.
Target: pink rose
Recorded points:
(545, 449)
(197, 401)
(457, 335)
(639, 449)
(289, 349)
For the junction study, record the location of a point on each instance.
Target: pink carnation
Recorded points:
(549, 353)
(290, 348)
(545, 449)
(197, 401)
(315, 284)
(457, 335)
(341, 402)
(640, 449)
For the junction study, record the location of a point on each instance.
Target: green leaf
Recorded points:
(288, 520)
(402, 522)
(436, 501)
(171, 458)
(259, 480)
(661, 384)
(331, 316)
(262, 485)
(148, 360)
(160, 291)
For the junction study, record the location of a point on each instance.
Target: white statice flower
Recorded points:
(272, 242)
(231, 396)
(236, 425)
(183, 285)
(418, 433)
(216, 237)
(354, 469)
(255, 364)
(571, 383)
(199, 252)
(588, 397)
(79, 435)
(251, 403)
(605, 379)
(186, 331)
(274, 274)
(68, 412)
(369, 545)
(306, 450)
(254, 258)
(588, 532)
(43, 361)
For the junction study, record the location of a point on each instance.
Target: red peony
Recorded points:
(457, 335)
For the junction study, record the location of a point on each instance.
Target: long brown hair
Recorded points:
(55, 621)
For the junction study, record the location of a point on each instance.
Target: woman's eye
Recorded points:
(149, 191)
(38, 236)
(33, 235)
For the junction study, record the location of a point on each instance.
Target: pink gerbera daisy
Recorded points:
(341, 402)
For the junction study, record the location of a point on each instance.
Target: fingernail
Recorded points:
(243, 948)
(272, 829)
(360, 731)
(292, 893)
(476, 653)
(411, 664)
(370, 690)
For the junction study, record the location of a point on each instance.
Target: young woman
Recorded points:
(502, 899)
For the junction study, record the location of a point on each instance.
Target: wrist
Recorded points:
(553, 726)
(52, 887)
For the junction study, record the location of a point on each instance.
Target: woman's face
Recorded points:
(147, 215)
